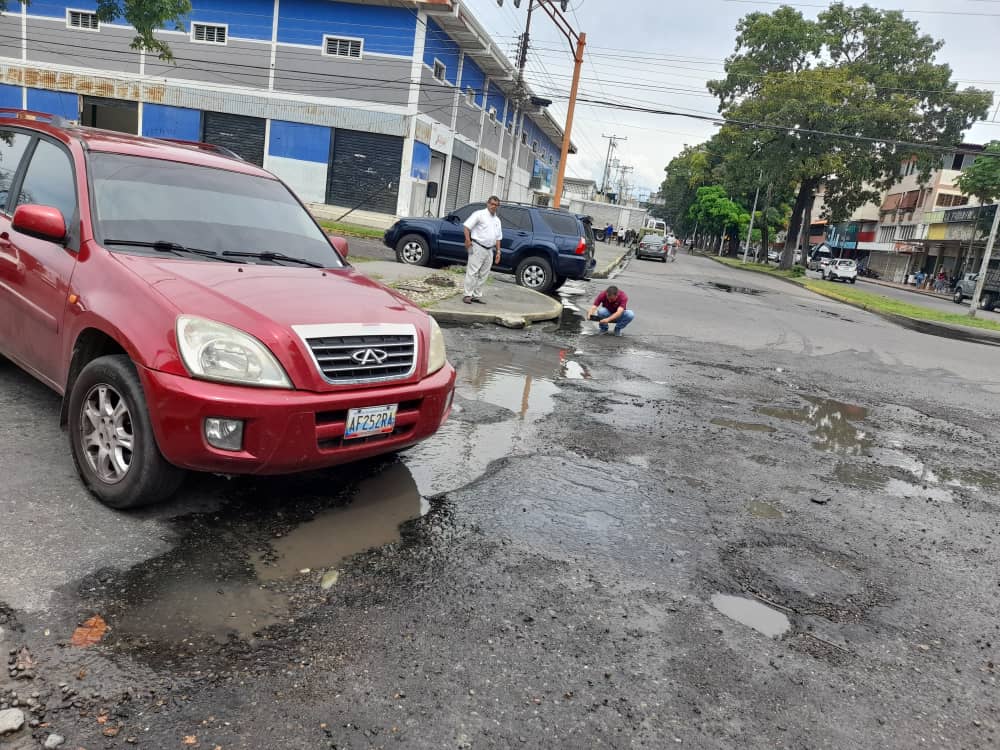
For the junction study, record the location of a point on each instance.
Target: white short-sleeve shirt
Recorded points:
(484, 228)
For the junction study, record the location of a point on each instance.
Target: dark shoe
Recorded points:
(467, 300)
(479, 300)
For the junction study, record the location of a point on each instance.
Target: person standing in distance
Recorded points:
(611, 306)
(482, 241)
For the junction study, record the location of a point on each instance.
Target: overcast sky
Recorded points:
(660, 53)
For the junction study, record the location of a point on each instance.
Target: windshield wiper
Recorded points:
(270, 255)
(162, 246)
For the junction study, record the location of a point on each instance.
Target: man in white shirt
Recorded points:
(482, 240)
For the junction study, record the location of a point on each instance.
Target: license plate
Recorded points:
(371, 420)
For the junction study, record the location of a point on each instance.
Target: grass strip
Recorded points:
(873, 302)
(352, 230)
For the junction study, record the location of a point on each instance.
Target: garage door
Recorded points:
(364, 170)
(459, 184)
(241, 135)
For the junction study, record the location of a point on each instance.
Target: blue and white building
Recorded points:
(361, 103)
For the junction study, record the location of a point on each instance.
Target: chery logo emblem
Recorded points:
(370, 356)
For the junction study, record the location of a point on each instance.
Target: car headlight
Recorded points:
(215, 351)
(436, 356)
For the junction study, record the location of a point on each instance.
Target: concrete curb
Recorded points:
(552, 310)
(930, 327)
(603, 273)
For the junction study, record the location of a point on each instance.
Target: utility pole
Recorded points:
(756, 195)
(622, 171)
(580, 40)
(985, 265)
(612, 145)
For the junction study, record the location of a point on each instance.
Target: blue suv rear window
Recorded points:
(561, 223)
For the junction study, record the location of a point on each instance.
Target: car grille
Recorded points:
(361, 354)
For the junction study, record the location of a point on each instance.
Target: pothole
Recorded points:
(833, 423)
(751, 613)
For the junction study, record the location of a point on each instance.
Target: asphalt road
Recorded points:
(759, 519)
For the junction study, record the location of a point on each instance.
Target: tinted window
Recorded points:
(143, 199)
(465, 212)
(12, 146)
(561, 223)
(49, 181)
(512, 217)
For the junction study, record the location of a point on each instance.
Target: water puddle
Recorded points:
(908, 490)
(832, 422)
(641, 461)
(372, 519)
(730, 288)
(519, 381)
(732, 424)
(752, 613)
(764, 510)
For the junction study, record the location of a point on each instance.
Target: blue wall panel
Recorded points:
(10, 96)
(389, 30)
(438, 44)
(296, 140)
(161, 121)
(473, 76)
(55, 103)
(247, 19)
(51, 9)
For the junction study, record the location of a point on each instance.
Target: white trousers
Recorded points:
(480, 263)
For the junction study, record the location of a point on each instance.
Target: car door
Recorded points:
(40, 290)
(14, 145)
(451, 239)
(517, 233)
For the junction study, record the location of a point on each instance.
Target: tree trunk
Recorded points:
(734, 242)
(765, 239)
(802, 201)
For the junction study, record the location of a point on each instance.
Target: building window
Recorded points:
(885, 234)
(440, 71)
(907, 232)
(945, 200)
(210, 33)
(342, 46)
(82, 19)
(956, 162)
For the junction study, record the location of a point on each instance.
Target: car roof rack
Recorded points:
(11, 113)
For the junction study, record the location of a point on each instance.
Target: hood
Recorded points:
(259, 298)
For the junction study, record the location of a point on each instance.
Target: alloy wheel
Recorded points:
(107, 433)
(412, 252)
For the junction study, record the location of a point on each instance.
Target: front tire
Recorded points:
(535, 273)
(853, 280)
(413, 250)
(988, 301)
(957, 297)
(111, 437)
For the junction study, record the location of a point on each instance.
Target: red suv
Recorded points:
(193, 315)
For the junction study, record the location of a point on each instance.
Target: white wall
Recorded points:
(306, 178)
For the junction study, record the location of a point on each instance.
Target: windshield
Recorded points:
(152, 200)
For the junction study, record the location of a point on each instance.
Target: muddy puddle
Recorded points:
(752, 613)
(764, 510)
(732, 424)
(372, 519)
(730, 288)
(516, 384)
(834, 424)
(225, 581)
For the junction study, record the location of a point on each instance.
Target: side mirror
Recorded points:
(339, 244)
(453, 218)
(43, 222)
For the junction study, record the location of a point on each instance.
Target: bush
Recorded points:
(798, 271)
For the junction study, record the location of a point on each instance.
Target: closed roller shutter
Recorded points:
(459, 184)
(241, 135)
(364, 169)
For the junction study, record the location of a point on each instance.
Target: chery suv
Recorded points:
(542, 247)
(193, 315)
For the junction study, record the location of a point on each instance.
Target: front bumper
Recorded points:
(286, 431)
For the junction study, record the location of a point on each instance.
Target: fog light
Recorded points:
(447, 405)
(226, 434)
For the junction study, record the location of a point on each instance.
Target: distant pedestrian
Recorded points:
(482, 241)
(621, 235)
(611, 306)
(608, 231)
(941, 282)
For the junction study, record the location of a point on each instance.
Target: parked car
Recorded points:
(193, 316)
(990, 297)
(773, 256)
(652, 246)
(819, 257)
(841, 269)
(542, 247)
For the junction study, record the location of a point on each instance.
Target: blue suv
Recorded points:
(542, 247)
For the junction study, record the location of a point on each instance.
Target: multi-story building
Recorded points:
(911, 234)
(390, 106)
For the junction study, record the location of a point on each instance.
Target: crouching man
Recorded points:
(611, 306)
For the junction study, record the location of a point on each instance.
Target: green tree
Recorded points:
(713, 211)
(862, 77)
(982, 180)
(145, 16)
(693, 168)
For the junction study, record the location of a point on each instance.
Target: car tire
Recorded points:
(987, 302)
(413, 250)
(535, 273)
(853, 280)
(957, 297)
(108, 389)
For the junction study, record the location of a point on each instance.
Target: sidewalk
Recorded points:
(907, 288)
(609, 256)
